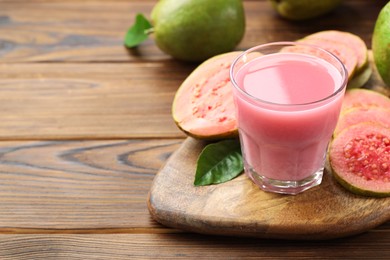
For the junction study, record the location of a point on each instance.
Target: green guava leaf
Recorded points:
(219, 162)
(138, 32)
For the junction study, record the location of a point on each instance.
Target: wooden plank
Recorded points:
(85, 31)
(89, 101)
(70, 31)
(79, 185)
(372, 245)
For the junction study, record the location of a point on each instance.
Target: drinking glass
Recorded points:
(288, 97)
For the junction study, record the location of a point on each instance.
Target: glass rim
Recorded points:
(344, 72)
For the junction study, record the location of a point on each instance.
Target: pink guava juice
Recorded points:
(287, 107)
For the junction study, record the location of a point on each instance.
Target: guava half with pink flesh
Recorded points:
(203, 106)
(364, 98)
(358, 115)
(360, 159)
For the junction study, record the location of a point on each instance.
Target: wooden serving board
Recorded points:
(240, 208)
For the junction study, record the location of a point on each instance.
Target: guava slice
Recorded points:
(358, 115)
(203, 106)
(353, 41)
(342, 51)
(364, 98)
(360, 159)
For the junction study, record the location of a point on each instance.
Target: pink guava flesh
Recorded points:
(203, 106)
(360, 159)
(353, 41)
(360, 115)
(364, 98)
(342, 51)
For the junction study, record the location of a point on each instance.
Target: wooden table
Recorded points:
(86, 125)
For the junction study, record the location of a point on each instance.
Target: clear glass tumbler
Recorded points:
(288, 97)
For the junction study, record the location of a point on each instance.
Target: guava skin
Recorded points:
(381, 43)
(360, 78)
(303, 9)
(195, 30)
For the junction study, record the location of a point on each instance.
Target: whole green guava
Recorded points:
(194, 30)
(381, 43)
(303, 9)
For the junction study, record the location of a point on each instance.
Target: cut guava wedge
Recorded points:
(359, 115)
(360, 159)
(203, 106)
(353, 41)
(341, 50)
(364, 98)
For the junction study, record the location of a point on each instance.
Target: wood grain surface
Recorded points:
(187, 246)
(94, 101)
(93, 31)
(85, 127)
(80, 185)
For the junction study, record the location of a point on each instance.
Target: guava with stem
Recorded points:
(192, 30)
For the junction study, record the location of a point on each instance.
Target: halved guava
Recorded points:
(364, 98)
(358, 115)
(360, 159)
(203, 106)
(353, 41)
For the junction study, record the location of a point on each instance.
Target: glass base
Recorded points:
(285, 187)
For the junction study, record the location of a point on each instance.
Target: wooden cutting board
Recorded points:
(240, 208)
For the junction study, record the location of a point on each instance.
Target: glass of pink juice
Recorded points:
(288, 97)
